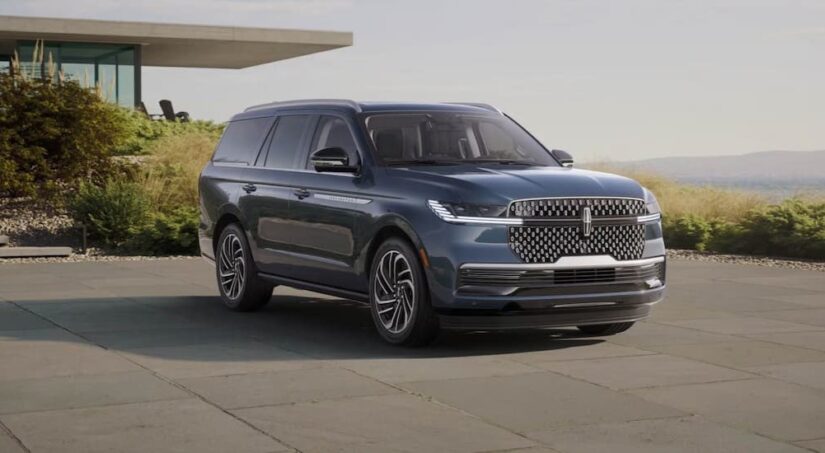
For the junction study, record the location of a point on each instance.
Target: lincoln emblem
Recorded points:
(587, 222)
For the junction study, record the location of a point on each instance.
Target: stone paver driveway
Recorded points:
(141, 356)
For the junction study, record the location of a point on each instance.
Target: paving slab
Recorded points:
(809, 340)
(776, 409)
(578, 351)
(393, 423)
(813, 445)
(741, 325)
(154, 338)
(34, 252)
(742, 354)
(809, 374)
(180, 425)
(114, 314)
(646, 334)
(538, 401)
(71, 392)
(809, 316)
(284, 387)
(688, 435)
(423, 369)
(49, 353)
(15, 318)
(217, 359)
(644, 371)
(8, 444)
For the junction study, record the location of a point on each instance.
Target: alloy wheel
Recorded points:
(394, 292)
(232, 266)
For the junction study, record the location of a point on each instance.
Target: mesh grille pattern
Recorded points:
(546, 244)
(571, 207)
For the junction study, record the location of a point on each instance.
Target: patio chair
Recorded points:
(169, 112)
(142, 109)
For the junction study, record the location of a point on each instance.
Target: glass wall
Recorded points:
(5, 64)
(112, 67)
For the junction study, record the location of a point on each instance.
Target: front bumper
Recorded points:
(573, 291)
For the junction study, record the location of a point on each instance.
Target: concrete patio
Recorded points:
(141, 356)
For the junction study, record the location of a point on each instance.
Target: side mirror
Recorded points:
(564, 158)
(333, 160)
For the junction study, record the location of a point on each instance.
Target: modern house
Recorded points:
(112, 53)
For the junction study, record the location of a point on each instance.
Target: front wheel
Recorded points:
(606, 329)
(238, 282)
(399, 297)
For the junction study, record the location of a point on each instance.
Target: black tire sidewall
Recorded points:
(242, 303)
(422, 312)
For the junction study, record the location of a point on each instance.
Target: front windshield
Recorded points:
(444, 138)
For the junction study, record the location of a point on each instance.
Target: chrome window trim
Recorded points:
(570, 262)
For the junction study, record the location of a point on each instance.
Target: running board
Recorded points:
(300, 284)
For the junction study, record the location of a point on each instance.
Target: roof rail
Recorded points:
(300, 102)
(481, 106)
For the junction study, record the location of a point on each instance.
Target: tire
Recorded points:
(240, 287)
(606, 329)
(399, 296)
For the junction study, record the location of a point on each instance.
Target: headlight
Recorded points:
(652, 204)
(470, 213)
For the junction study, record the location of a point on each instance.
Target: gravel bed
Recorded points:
(692, 255)
(27, 224)
(95, 255)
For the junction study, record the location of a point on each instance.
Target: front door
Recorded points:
(325, 209)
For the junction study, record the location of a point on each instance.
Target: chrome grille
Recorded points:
(571, 207)
(611, 233)
(543, 278)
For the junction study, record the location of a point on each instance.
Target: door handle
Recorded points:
(301, 193)
(249, 188)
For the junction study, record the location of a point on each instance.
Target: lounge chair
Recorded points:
(169, 112)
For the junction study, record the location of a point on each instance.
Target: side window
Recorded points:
(332, 132)
(242, 140)
(284, 147)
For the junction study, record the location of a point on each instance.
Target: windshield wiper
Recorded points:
(422, 162)
(501, 161)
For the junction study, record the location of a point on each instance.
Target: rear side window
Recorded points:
(284, 149)
(242, 140)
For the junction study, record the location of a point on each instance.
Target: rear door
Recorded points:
(266, 200)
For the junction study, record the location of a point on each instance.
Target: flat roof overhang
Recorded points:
(178, 45)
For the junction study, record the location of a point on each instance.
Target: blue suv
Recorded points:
(436, 215)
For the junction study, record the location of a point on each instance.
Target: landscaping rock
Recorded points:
(4, 240)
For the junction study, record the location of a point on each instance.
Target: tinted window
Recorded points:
(432, 138)
(242, 140)
(283, 150)
(332, 132)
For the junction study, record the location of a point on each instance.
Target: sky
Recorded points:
(607, 80)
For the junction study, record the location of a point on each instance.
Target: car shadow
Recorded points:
(188, 327)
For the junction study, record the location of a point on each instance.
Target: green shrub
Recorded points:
(170, 173)
(112, 212)
(53, 135)
(687, 232)
(142, 133)
(173, 233)
(794, 228)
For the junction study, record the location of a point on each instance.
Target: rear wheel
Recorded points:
(238, 282)
(606, 329)
(399, 296)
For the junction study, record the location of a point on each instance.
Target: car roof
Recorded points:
(350, 106)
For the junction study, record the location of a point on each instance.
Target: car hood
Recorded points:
(497, 183)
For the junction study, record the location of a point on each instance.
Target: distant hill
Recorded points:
(786, 171)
